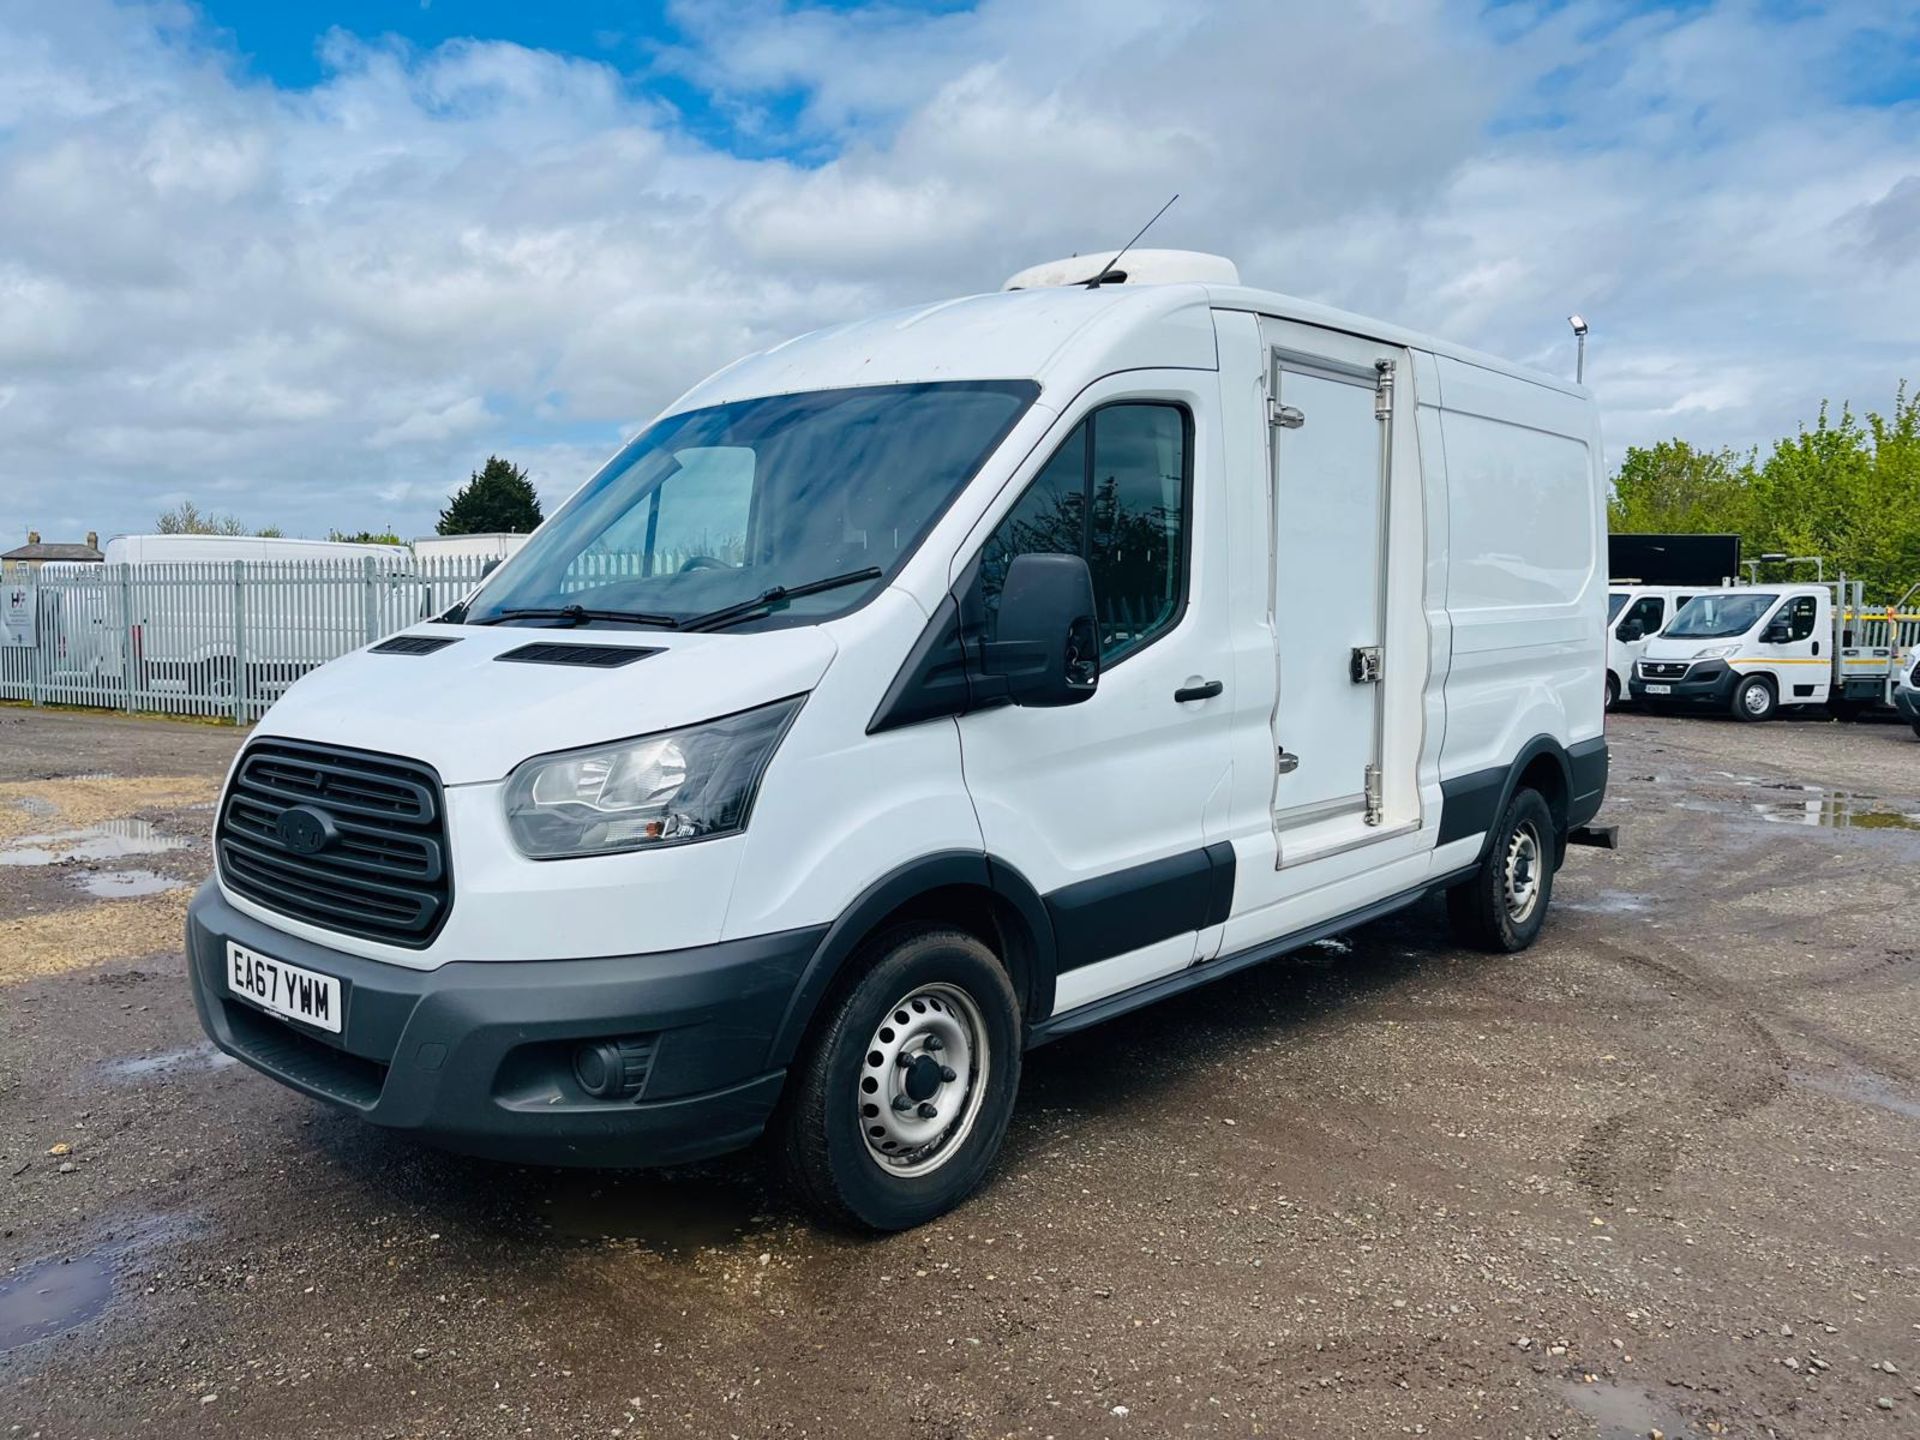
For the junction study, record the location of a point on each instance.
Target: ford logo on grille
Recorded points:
(305, 830)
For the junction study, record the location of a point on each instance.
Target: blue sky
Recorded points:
(310, 264)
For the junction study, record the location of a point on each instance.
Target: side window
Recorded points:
(1643, 619)
(1115, 492)
(1799, 615)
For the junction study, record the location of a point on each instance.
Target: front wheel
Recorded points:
(1613, 690)
(902, 1096)
(1505, 903)
(1753, 699)
(1916, 729)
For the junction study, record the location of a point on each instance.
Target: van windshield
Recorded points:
(1717, 617)
(715, 507)
(1615, 599)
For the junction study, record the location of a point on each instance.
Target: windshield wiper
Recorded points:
(766, 599)
(580, 615)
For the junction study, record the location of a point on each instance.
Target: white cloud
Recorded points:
(323, 308)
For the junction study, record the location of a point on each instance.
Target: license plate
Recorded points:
(284, 989)
(1658, 689)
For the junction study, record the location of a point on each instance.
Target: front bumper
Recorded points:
(1706, 683)
(477, 1055)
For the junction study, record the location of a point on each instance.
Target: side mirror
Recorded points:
(1048, 650)
(1775, 634)
(1631, 631)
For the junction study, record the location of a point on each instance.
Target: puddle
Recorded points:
(1621, 1413)
(661, 1213)
(1833, 810)
(50, 1299)
(109, 840)
(1608, 902)
(128, 884)
(1862, 1087)
(58, 1295)
(194, 1058)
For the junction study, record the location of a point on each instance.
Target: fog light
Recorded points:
(613, 1069)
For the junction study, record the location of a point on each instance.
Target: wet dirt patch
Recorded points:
(27, 805)
(1622, 1412)
(50, 1299)
(128, 884)
(190, 1060)
(667, 1213)
(87, 935)
(1862, 1087)
(108, 840)
(1832, 810)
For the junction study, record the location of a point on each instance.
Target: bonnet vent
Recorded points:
(590, 657)
(414, 644)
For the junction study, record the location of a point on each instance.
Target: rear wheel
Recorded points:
(1753, 699)
(1505, 903)
(901, 1099)
(1613, 690)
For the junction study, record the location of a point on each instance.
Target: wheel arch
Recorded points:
(966, 889)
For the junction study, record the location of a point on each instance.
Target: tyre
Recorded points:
(901, 1097)
(1613, 690)
(1753, 699)
(1916, 729)
(1505, 903)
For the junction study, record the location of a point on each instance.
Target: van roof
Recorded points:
(1061, 336)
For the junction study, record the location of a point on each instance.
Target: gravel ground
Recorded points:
(1654, 1175)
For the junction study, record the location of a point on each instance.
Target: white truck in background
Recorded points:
(497, 545)
(181, 618)
(1752, 650)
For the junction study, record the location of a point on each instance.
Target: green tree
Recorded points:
(1673, 489)
(187, 518)
(497, 498)
(363, 537)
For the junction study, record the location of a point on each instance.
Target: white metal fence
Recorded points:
(218, 638)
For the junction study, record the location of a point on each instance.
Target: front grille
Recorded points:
(1664, 669)
(381, 871)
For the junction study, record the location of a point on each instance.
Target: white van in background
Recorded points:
(493, 546)
(1748, 650)
(1054, 651)
(1635, 614)
(181, 617)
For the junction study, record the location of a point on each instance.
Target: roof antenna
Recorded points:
(1106, 271)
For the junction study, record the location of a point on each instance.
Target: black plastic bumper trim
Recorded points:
(476, 1055)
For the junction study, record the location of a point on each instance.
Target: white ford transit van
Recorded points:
(914, 693)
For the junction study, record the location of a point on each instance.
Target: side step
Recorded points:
(1600, 837)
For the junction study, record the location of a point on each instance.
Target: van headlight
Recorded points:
(695, 783)
(1716, 652)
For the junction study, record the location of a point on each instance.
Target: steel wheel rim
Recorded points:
(903, 1073)
(1754, 697)
(1520, 873)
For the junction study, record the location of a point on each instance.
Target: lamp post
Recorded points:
(1580, 353)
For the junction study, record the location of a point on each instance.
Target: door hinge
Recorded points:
(1367, 665)
(1374, 804)
(1287, 417)
(1383, 390)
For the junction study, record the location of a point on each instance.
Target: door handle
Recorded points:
(1284, 763)
(1205, 690)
